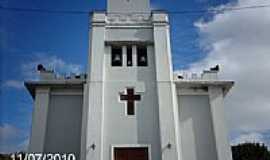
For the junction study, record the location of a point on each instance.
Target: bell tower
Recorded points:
(130, 106)
(130, 87)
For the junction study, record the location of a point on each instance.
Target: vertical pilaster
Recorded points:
(96, 89)
(39, 122)
(218, 119)
(177, 122)
(165, 86)
(84, 122)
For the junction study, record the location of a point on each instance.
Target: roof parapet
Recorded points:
(50, 75)
(47, 75)
(211, 74)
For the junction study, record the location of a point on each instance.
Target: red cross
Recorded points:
(130, 97)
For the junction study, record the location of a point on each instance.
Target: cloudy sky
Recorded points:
(237, 40)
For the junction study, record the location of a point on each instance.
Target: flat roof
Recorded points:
(225, 85)
(63, 83)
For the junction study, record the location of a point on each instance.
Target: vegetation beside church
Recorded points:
(250, 151)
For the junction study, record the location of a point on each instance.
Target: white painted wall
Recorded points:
(63, 133)
(216, 95)
(131, 34)
(154, 123)
(39, 120)
(143, 128)
(165, 87)
(197, 135)
(156, 114)
(95, 88)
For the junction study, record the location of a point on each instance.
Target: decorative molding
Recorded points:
(130, 26)
(136, 19)
(123, 43)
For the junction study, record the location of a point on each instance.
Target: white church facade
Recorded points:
(130, 106)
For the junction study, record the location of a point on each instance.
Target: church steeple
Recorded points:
(128, 6)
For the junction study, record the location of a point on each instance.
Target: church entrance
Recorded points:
(134, 153)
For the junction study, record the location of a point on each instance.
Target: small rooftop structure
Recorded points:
(48, 78)
(207, 78)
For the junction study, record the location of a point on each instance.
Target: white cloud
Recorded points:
(50, 62)
(8, 132)
(23, 146)
(12, 139)
(248, 138)
(240, 42)
(13, 84)
(29, 71)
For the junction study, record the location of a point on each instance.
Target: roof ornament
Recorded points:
(41, 68)
(216, 68)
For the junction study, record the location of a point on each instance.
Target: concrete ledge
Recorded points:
(122, 43)
(225, 85)
(67, 83)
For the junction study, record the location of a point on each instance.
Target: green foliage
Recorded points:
(250, 151)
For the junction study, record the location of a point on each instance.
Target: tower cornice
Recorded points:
(160, 18)
(98, 18)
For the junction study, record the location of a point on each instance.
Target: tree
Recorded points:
(250, 151)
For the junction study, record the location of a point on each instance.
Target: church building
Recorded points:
(130, 105)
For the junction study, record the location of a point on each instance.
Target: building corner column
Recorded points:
(39, 123)
(218, 120)
(84, 122)
(165, 87)
(95, 86)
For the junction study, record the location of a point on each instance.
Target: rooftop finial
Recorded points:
(216, 68)
(41, 68)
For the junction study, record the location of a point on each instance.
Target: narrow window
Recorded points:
(142, 56)
(116, 56)
(129, 56)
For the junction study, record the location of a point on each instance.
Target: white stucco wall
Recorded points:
(95, 88)
(120, 129)
(130, 34)
(165, 86)
(157, 114)
(39, 120)
(107, 123)
(63, 131)
(197, 135)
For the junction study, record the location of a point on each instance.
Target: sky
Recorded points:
(237, 40)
